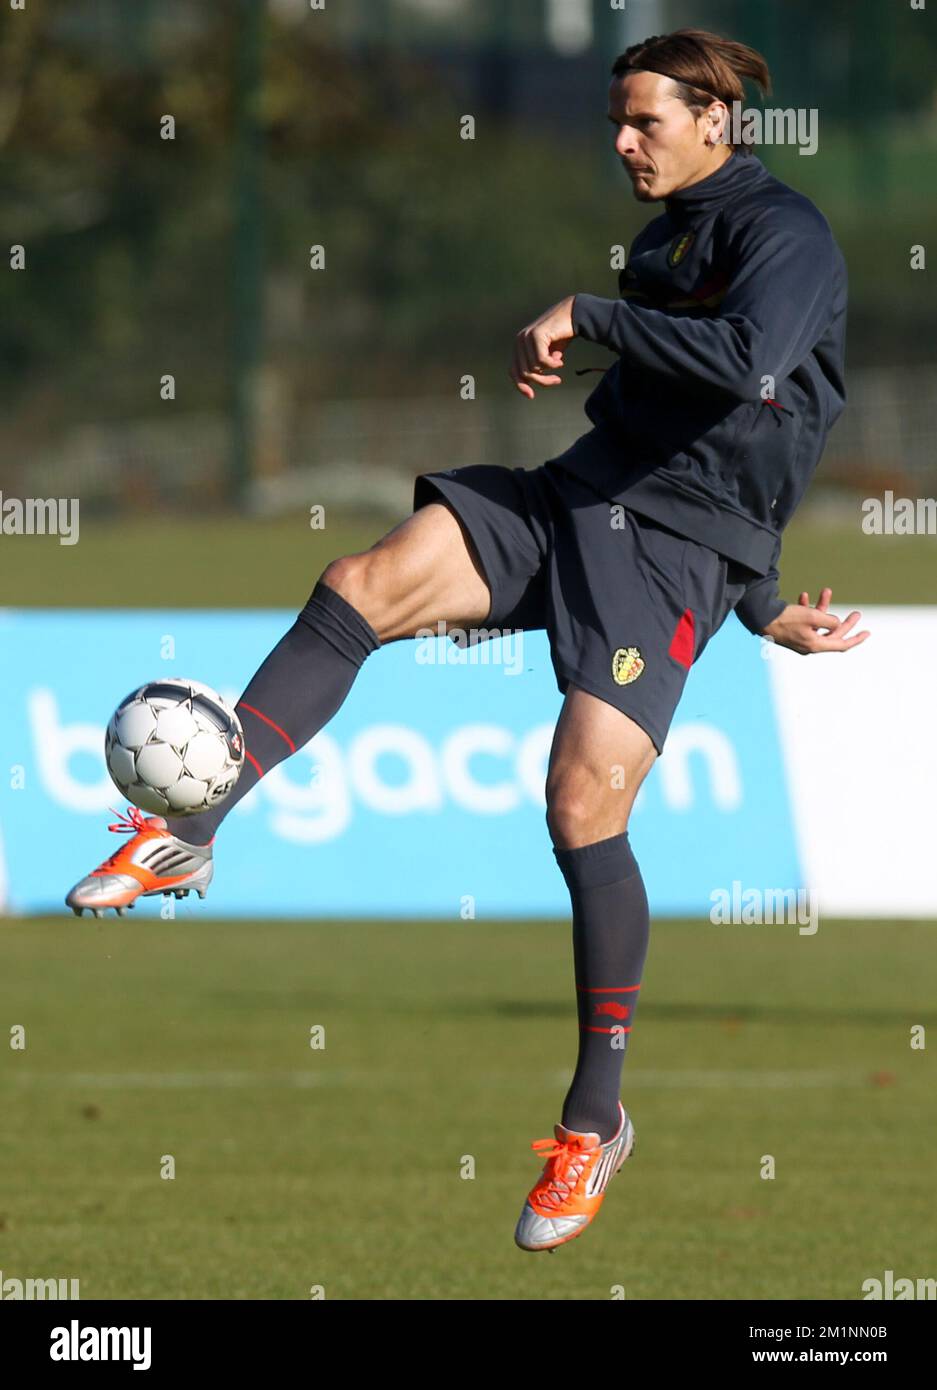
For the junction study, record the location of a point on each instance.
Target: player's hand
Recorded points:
(804, 629)
(538, 348)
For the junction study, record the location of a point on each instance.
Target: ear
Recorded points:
(717, 115)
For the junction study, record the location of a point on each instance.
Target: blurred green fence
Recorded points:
(188, 258)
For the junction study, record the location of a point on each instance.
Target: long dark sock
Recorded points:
(296, 691)
(611, 929)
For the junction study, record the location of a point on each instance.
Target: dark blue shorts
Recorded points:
(628, 604)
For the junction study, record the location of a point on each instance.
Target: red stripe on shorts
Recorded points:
(683, 642)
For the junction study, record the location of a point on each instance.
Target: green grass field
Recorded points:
(229, 562)
(341, 1167)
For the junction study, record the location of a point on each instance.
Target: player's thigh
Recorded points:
(424, 571)
(599, 758)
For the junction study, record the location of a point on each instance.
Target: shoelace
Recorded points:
(567, 1159)
(128, 825)
(125, 825)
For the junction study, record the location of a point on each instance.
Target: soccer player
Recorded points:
(630, 548)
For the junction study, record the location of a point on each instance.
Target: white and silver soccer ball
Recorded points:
(174, 747)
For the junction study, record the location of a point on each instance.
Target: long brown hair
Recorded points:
(704, 66)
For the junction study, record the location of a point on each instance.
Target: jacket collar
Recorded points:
(733, 177)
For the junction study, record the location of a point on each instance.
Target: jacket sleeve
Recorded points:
(775, 310)
(761, 603)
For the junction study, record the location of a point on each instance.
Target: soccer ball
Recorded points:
(174, 747)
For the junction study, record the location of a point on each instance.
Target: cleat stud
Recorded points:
(77, 911)
(201, 892)
(121, 911)
(98, 911)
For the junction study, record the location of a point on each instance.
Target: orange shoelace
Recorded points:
(125, 825)
(568, 1161)
(128, 825)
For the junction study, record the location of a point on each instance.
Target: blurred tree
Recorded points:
(438, 248)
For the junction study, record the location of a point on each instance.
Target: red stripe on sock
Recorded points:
(683, 641)
(254, 763)
(587, 1028)
(276, 727)
(613, 989)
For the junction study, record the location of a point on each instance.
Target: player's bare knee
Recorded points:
(340, 575)
(587, 801)
(350, 576)
(564, 823)
(577, 816)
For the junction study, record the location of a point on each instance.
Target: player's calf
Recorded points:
(598, 762)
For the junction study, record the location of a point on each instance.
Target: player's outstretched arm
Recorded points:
(804, 629)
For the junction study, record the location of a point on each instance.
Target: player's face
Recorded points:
(660, 142)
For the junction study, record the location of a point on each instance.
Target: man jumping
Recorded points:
(630, 549)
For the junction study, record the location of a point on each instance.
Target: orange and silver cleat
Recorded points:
(572, 1185)
(152, 861)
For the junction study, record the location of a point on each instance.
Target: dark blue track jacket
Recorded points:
(730, 332)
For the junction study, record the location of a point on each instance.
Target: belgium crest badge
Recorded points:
(627, 665)
(680, 247)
